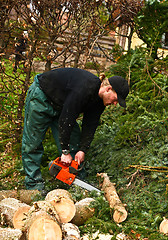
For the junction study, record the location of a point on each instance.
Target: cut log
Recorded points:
(65, 209)
(42, 222)
(20, 216)
(11, 234)
(11, 212)
(70, 231)
(163, 228)
(83, 211)
(42, 226)
(26, 196)
(44, 206)
(64, 206)
(58, 193)
(120, 213)
(8, 194)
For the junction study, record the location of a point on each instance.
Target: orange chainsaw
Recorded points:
(67, 173)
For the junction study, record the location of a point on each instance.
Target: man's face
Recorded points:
(110, 97)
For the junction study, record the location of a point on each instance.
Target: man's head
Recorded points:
(120, 86)
(114, 90)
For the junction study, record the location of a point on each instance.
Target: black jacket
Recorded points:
(73, 91)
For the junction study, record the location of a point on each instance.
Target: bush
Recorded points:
(146, 114)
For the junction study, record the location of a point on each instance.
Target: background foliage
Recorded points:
(130, 145)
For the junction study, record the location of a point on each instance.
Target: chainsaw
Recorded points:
(67, 173)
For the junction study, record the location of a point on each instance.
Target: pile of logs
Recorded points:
(48, 219)
(55, 218)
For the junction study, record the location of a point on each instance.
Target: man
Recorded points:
(55, 99)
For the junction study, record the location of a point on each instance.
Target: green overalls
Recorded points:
(39, 116)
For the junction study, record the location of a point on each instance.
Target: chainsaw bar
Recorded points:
(85, 185)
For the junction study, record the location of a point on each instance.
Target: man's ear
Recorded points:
(108, 88)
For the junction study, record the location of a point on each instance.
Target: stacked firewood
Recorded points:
(55, 218)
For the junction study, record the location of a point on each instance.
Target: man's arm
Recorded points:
(90, 122)
(69, 114)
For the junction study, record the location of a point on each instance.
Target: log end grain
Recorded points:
(8, 194)
(8, 207)
(120, 215)
(65, 209)
(163, 228)
(43, 228)
(20, 216)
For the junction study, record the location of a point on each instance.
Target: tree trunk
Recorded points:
(13, 212)
(130, 38)
(47, 219)
(120, 213)
(83, 211)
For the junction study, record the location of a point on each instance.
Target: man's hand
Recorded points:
(80, 157)
(67, 159)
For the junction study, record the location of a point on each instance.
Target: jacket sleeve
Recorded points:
(70, 112)
(90, 122)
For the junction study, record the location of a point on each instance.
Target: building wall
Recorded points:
(136, 42)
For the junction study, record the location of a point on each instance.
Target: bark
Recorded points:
(98, 236)
(58, 193)
(64, 206)
(11, 234)
(26, 196)
(120, 213)
(70, 232)
(13, 212)
(163, 228)
(8, 194)
(83, 211)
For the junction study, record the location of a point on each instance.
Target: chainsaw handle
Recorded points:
(73, 170)
(72, 167)
(58, 160)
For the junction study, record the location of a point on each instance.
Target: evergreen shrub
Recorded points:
(146, 115)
